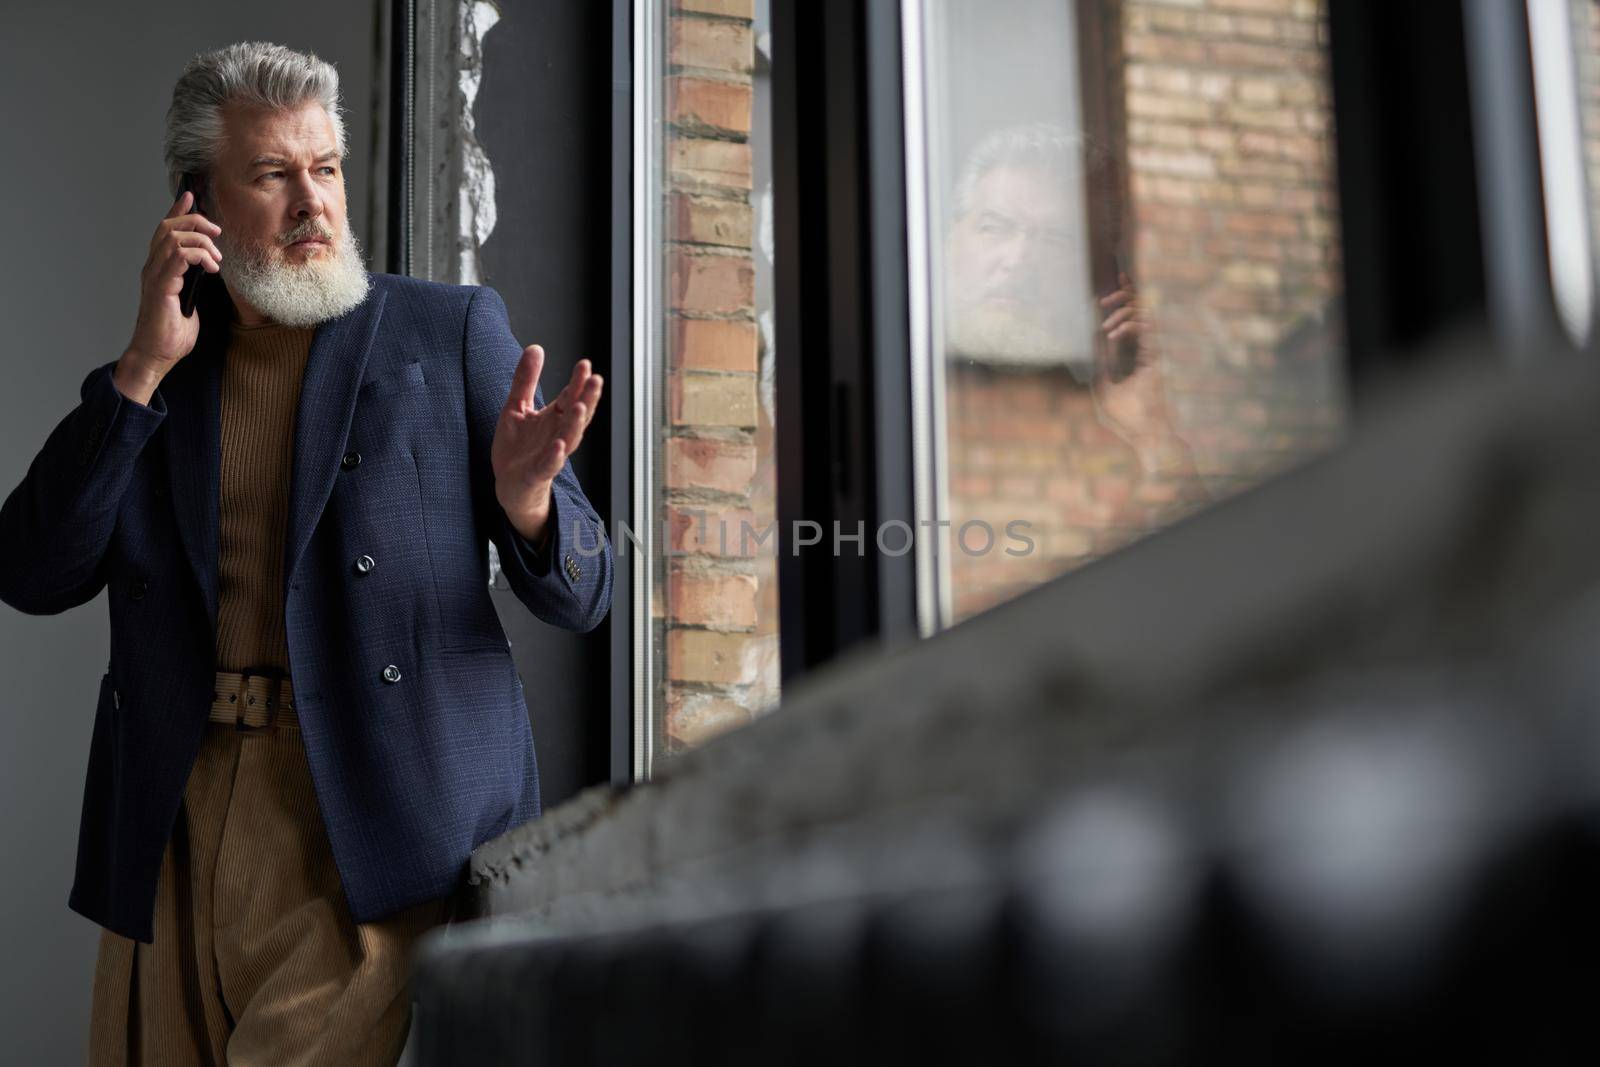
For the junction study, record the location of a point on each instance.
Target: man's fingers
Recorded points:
(183, 258)
(526, 379)
(572, 427)
(588, 401)
(182, 224)
(190, 238)
(573, 390)
(181, 205)
(1118, 317)
(1116, 299)
(169, 279)
(591, 396)
(188, 221)
(547, 464)
(555, 456)
(197, 223)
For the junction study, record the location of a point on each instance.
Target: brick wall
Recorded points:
(1231, 225)
(717, 612)
(1586, 45)
(1224, 136)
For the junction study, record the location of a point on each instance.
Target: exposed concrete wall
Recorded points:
(453, 212)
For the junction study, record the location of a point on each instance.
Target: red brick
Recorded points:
(711, 220)
(738, 9)
(708, 656)
(696, 398)
(693, 718)
(698, 463)
(1262, 223)
(1238, 54)
(714, 344)
(1147, 105)
(712, 45)
(700, 163)
(704, 104)
(711, 284)
(1262, 7)
(712, 599)
(1165, 48)
(709, 531)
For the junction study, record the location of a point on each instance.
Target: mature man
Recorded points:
(1040, 311)
(311, 714)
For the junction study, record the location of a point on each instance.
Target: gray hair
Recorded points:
(1049, 147)
(254, 73)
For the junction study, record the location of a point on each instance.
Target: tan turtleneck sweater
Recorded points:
(260, 394)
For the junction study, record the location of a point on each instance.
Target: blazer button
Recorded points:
(365, 564)
(391, 673)
(351, 460)
(138, 589)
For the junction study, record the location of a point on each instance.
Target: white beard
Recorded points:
(324, 287)
(990, 334)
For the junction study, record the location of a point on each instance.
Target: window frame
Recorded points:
(1415, 151)
(844, 413)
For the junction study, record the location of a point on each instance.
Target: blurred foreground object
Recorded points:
(1313, 777)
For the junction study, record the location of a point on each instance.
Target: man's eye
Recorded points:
(327, 170)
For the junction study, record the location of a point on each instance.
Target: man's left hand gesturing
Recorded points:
(530, 445)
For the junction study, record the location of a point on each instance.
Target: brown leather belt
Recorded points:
(254, 699)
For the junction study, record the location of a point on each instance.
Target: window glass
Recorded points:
(1585, 30)
(1133, 268)
(713, 574)
(1564, 39)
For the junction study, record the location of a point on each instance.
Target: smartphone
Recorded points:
(192, 276)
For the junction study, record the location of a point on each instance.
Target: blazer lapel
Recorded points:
(193, 392)
(322, 423)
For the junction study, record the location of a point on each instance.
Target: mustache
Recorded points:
(307, 229)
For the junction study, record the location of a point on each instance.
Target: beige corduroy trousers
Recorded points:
(256, 960)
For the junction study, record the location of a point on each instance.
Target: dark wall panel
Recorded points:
(544, 117)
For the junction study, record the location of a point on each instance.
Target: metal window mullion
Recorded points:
(1504, 126)
(929, 469)
(646, 309)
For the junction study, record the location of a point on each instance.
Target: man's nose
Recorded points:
(1010, 252)
(307, 203)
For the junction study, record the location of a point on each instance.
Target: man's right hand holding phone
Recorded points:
(163, 335)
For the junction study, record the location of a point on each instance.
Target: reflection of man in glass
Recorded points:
(1021, 261)
(1018, 279)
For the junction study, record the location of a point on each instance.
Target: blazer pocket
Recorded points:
(496, 649)
(406, 376)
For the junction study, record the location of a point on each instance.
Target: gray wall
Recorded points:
(87, 86)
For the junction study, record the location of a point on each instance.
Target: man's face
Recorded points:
(279, 185)
(1012, 246)
(288, 254)
(1015, 280)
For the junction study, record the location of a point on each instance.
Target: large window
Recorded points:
(1564, 36)
(1122, 273)
(1131, 272)
(705, 290)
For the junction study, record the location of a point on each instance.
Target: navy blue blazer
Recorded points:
(390, 460)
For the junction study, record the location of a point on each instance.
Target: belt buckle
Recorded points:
(278, 674)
